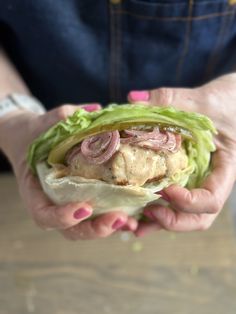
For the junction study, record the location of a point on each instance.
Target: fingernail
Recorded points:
(91, 107)
(164, 196)
(118, 224)
(139, 95)
(81, 213)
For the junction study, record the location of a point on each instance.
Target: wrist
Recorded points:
(11, 126)
(12, 108)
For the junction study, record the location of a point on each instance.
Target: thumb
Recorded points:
(61, 113)
(181, 98)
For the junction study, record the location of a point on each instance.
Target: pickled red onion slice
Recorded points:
(100, 148)
(72, 153)
(154, 140)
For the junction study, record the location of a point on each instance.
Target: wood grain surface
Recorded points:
(164, 273)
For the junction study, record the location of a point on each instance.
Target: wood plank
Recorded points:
(162, 273)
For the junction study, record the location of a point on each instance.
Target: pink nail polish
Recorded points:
(139, 95)
(91, 107)
(118, 224)
(164, 196)
(81, 213)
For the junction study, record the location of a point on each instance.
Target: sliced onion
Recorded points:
(135, 136)
(171, 142)
(154, 140)
(178, 142)
(72, 154)
(99, 148)
(145, 135)
(96, 145)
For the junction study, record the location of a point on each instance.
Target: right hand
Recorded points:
(197, 209)
(19, 130)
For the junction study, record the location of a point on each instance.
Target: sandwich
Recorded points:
(120, 157)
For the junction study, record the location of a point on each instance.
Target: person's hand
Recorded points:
(18, 131)
(198, 208)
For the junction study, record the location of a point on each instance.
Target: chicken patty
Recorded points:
(131, 165)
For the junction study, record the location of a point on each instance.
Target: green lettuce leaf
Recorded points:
(197, 130)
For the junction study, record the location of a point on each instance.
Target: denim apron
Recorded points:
(84, 51)
(170, 43)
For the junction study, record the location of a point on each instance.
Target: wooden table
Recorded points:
(164, 273)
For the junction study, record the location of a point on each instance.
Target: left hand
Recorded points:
(17, 131)
(198, 208)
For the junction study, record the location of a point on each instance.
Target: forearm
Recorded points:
(10, 79)
(10, 82)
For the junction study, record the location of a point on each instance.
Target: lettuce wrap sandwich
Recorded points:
(120, 157)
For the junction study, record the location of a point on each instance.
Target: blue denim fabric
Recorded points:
(83, 51)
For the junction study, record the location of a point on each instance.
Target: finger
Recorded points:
(214, 192)
(100, 227)
(131, 224)
(182, 98)
(145, 228)
(62, 112)
(47, 215)
(91, 107)
(179, 221)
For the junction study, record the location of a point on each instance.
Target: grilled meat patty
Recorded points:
(131, 165)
